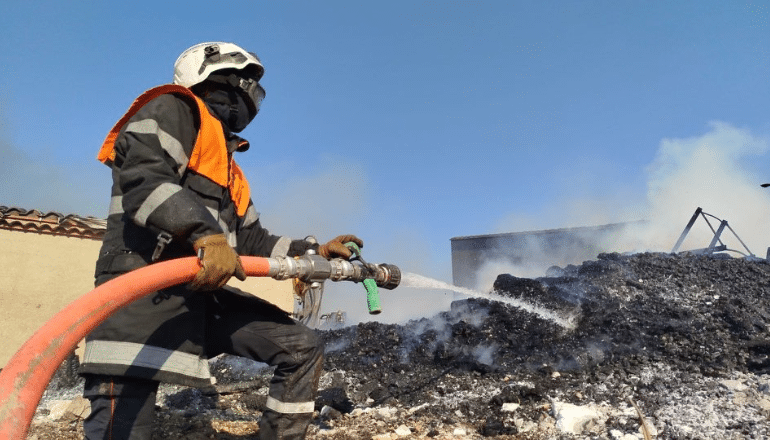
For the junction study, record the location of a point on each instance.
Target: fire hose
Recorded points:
(26, 376)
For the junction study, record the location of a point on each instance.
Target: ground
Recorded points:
(683, 338)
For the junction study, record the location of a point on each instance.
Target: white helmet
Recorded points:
(197, 63)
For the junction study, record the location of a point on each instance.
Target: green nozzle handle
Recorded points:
(372, 292)
(372, 296)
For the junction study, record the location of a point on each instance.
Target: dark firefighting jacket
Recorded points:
(173, 178)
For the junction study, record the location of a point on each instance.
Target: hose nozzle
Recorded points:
(387, 276)
(373, 276)
(312, 267)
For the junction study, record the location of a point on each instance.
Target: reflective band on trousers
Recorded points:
(134, 354)
(288, 407)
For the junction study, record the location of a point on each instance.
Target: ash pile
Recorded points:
(669, 346)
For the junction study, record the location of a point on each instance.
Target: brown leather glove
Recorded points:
(336, 247)
(218, 261)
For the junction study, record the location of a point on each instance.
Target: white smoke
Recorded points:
(709, 171)
(485, 354)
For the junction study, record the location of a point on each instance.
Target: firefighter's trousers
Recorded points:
(123, 407)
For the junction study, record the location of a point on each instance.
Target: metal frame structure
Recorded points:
(712, 247)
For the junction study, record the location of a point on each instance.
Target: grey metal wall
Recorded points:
(546, 247)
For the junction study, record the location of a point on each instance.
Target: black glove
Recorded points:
(335, 248)
(219, 262)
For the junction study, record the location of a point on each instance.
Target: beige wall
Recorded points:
(40, 274)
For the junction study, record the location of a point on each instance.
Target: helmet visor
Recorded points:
(254, 91)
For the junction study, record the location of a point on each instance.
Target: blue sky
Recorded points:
(409, 123)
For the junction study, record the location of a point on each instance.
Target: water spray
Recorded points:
(419, 281)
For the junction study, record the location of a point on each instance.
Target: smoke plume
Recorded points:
(710, 171)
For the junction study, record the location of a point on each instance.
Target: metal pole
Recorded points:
(710, 249)
(686, 230)
(739, 239)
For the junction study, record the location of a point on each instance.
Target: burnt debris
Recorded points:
(637, 315)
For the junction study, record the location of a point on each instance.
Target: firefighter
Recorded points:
(178, 192)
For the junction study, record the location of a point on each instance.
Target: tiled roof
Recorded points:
(51, 223)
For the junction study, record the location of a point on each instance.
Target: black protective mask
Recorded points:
(230, 108)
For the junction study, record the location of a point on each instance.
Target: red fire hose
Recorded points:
(26, 376)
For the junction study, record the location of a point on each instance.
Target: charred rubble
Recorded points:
(647, 327)
(683, 338)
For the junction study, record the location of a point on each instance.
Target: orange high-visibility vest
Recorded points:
(209, 156)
